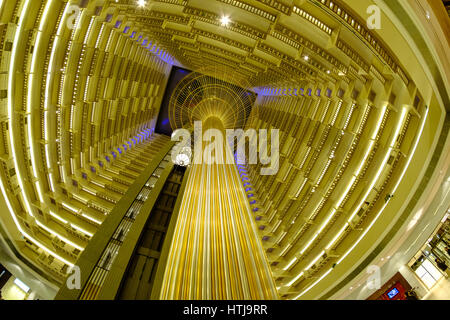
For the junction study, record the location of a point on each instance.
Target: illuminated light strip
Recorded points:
(37, 243)
(336, 113)
(10, 111)
(382, 166)
(290, 264)
(105, 177)
(80, 198)
(11, 80)
(414, 149)
(324, 171)
(295, 279)
(82, 159)
(71, 224)
(90, 218)
(379, 213)
(366, 155)
(70, 264)
(88, 30)
(325, 112)
(48, 94)
(29, 98)
(312, 285)
(330, 216)
(99, 35)
(50, 179)
(372, 140)
(347, 121)
(58, 217)
(305, 157)
(101, 185)
(380, 121)
(41, 198)
(315, 260)
(344, 194)
(369, 149)
(276, 226)
(393, 190)
(59, 236)
(309, 243)
(399, 126)
(86, 89)
(301, 187)
(47, 156)
(69, 207)
(89, 191)
(281, 237)
(382, 113)
(30, 136)
(72, 165)
(282, 253)
(21, 285)
(82, 230)
(337, 236)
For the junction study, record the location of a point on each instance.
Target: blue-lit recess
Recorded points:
(153, 48)
(139, 138)
(242, 169)
(149, 45)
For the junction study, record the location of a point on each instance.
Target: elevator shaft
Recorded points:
(216, 252)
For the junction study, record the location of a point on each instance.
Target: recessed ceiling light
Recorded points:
(225, 20)
(328, 71)
(306, 58)
(141, 3)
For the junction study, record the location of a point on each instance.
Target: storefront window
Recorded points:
(428, 273)
(431, 262)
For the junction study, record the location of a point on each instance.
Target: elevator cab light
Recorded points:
(225, 20)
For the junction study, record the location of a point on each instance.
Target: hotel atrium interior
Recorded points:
(101, 201)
